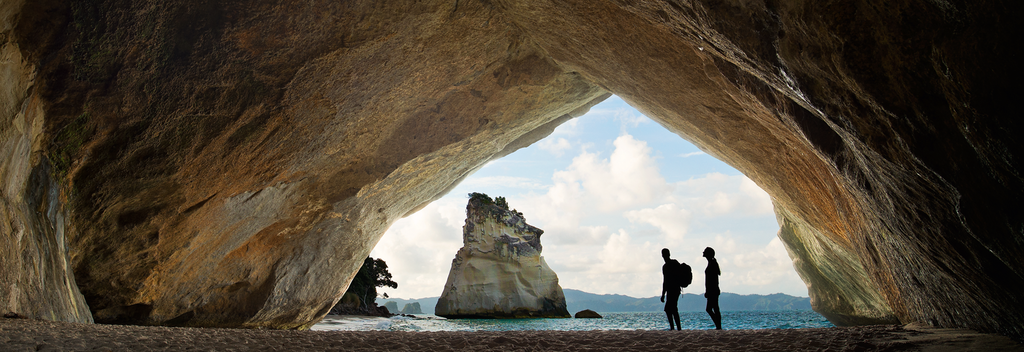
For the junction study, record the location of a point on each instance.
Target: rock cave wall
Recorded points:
(231, 163)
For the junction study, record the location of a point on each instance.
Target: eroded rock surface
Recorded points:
(230, 163)
(499, 272)
(36, 277)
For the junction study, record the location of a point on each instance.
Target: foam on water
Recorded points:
(793, 319)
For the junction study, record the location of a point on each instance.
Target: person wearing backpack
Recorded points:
(711, 289)
(676, 276)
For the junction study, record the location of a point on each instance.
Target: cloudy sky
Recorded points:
(610, 189)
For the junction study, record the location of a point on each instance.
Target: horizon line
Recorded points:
(617, 294)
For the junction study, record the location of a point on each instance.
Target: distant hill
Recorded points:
(426, 304)
(577, 300)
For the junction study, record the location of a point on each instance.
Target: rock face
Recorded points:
(203, 163)
(36, 278)
(499, 272)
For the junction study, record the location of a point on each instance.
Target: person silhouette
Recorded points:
(671, 285)
(711, 289)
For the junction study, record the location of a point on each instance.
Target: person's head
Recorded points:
(709, 253)
(664, 253)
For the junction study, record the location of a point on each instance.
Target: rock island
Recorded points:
(499, 272)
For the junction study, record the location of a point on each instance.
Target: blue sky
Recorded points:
(610, 189)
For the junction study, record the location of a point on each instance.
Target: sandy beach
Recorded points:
(36, 335)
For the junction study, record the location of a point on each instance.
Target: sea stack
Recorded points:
(499, 272)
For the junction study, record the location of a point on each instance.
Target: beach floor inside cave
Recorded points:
(37, 335)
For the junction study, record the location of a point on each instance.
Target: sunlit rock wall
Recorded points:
(231, 163)
(36, 280)
(238, 160)
(839, 286)
(499, 272)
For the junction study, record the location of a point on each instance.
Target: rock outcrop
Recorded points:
(412, 308)
(203, 163)
(391, 306)
(587, 314)
(499, 272)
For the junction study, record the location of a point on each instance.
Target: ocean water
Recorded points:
(789, 319)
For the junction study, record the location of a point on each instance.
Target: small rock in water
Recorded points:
(587, 313)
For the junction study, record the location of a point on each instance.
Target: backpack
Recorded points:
(684, 275)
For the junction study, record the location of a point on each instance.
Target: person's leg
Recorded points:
(715, 312)
(710, 307)
(675, 311)
(672, 311)
(668, 313)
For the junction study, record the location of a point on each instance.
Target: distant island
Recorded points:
(577, 300)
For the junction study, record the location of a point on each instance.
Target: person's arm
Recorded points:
(664, 277)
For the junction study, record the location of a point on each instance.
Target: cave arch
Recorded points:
(620, 177)
(251, 158)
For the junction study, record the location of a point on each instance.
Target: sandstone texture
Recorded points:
(499, 272)
(210, 163)
(36, 278)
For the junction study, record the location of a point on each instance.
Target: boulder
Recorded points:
(587, 313)
(499, 272)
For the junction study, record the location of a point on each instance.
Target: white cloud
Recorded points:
(619, 255)
(687, 155)
(619, 265)
(627, 178)
(717, 194)
(761, 202)
(504, 181)
(561, 234)
(669, 218)
(556, 147)
(763, 267)
(628, 119)
(626, 116)
(724, 244)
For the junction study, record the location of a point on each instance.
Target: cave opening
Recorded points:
(610, 189)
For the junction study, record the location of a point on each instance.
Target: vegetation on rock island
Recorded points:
(500, 202)
(360, 298)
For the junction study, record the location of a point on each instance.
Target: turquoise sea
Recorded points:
(783, 319)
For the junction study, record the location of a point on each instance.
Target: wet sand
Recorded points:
(36, 335)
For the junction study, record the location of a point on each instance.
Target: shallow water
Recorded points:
(790, 319)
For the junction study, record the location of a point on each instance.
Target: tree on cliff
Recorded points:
(499, 201)
(372, 275)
